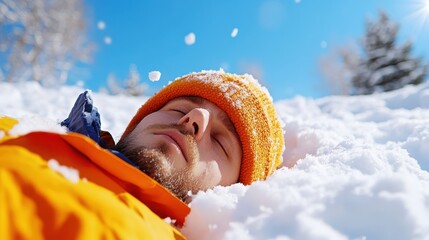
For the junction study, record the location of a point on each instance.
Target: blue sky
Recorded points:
(280, 41)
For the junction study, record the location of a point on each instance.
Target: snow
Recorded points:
(107, 40)
(35, 123)
(40, 108)
(234, 32)
(101, 25)
(359, 165)
(190, 38)
(154, 76)
(69, 173)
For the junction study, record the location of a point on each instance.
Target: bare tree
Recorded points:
(337, 68)
(42, 39)
(131, 86)
(113, 85)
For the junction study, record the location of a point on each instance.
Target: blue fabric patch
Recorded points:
(85, 119)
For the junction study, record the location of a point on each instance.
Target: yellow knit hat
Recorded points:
(248, 105)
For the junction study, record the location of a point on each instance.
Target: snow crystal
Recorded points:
(230, 89)
(90, 117)
(68, 172)
(101, 25)
(213, 227)
(190, 39)
(234, 32)
(154, 76)
(169, 220)
(238, 104)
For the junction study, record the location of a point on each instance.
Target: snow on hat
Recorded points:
(248, 105)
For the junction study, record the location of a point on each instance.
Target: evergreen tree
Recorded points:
(385, 66)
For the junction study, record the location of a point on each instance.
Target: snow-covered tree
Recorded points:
(42, 40)
(131, 86)
(385, 66)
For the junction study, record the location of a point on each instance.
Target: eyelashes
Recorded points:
(220, 145)
(179, 111)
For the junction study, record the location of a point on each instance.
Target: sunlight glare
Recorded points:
(426, 6)
(419, 15)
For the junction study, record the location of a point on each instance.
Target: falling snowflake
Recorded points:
(234, 32)
(154, 76)
(190, 39)
(101, 25)
(107, 40)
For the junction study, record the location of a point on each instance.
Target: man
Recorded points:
(202, 130)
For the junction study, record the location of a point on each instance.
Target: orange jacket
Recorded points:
(110, 199)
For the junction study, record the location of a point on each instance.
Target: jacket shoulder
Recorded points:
(58, 195)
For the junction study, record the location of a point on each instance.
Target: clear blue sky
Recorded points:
(280, 40)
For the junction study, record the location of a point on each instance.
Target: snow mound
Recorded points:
(44, 108)
(358, 166)
(359, 170)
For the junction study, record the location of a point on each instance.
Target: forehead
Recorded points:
(193, 99)
(197, 101)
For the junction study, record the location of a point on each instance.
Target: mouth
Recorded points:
(177, 139)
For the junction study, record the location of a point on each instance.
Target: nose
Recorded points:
(196, 121)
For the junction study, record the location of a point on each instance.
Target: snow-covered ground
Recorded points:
(359, 165)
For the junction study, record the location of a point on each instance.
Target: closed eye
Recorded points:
(179, 111)
(220, 144)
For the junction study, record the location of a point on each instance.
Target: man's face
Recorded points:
(188, 145)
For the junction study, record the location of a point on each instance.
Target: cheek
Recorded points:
(209, 174)
(140, 133)
(212, 169)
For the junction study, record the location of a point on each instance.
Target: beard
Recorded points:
(155, 163)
